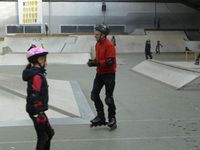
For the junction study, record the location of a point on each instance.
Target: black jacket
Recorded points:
(148, 47)
(33, 96)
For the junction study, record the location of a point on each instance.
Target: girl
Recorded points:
(37, 96)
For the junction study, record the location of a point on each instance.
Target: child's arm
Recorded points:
(36, 85)
(37, 82)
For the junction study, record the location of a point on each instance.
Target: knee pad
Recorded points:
(109, 100)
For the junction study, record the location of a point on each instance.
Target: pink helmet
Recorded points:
(35, 52)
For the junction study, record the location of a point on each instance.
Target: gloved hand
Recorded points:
(93, 63)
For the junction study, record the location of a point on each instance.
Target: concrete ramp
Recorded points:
(193, 45)
(60, 44)
(138, 32)
(172, 41)
(170, 74)
(52, 44)
(67, 104)
(83, 44)
(53, 58)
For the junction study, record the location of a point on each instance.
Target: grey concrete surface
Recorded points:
(172, 41)
(151, 115)
(173, 75)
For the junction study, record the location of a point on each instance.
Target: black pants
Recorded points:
(148, 54)
(44, 133)
(198, 57)
(108, 80)
(157, 50)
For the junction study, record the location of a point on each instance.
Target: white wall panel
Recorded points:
(135, 15)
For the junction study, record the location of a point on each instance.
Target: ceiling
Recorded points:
(191, 3)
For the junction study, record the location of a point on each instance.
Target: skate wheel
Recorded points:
(93, 125)
(113, 127)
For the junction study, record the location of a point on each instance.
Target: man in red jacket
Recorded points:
(105, 61)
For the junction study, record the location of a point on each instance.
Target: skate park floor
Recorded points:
(150, 115)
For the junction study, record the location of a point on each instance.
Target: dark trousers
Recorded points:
(198, 57)
(157, 50)
(107, 80)
(44, 133)
(148, 54)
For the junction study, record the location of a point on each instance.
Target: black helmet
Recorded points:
(103, 29)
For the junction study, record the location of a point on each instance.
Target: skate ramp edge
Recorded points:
(67, 103)
(177, 77)
(172, 41)
(53, 58)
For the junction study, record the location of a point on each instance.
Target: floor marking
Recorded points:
(105, 139)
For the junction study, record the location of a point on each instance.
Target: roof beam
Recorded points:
(191, 4)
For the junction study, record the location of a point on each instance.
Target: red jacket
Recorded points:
(104, 51)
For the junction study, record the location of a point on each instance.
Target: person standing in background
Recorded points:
(148, 53)
(158, 45)
(113, 40)
(46, 29)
